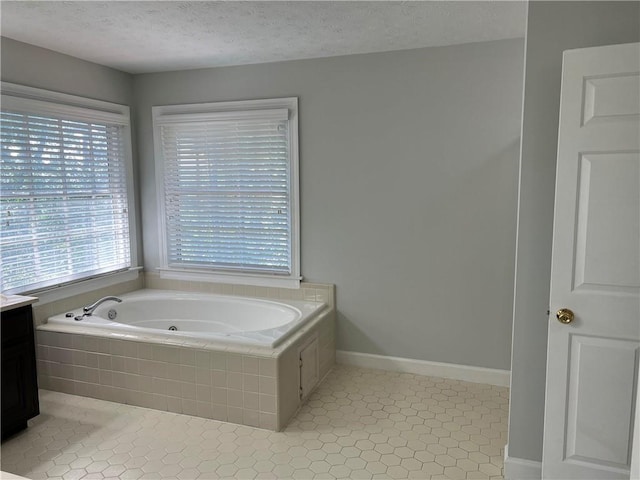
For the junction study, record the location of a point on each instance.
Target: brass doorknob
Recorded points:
(564, 315)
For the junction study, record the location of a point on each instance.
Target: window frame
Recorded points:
(165, 114)
(98, 111)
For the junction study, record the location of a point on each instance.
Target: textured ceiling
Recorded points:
(152, 36)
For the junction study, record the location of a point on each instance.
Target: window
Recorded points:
(65, 178)
(228, 191)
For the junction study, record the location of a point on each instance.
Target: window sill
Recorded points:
(83, 286)
(230, 278)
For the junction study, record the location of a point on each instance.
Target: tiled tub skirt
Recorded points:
(253, 386)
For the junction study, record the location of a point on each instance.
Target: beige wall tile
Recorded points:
(268, 421)
(106, 378)
(219, 360)
(42, 367)
(234, 414)
(250, 383)
(268, 403)
(188, 390)
(145, 384)
(251, 418)
(234, 380)
(234, 362)
(268, 367)
(203, 393)
(104, 345)
(218, 378)
(187, 356)
(159, 386)
(131, 382)
(174, 404)
(92, 360)
(219, 395)
(251, 401)
(117, 364)
(131, 365)
(219, 412)
(267, 385)
(174, 388)
(166, 354)
(234, 398)
(203, 376)
(250, 365)
(188, 374)
(145, 350)
(174, 371)
(204, 409)
(203, 359)
(189, 407)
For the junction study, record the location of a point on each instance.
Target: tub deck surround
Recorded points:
(43, 309)
(246, 384)
(223, 318)
(315, 292)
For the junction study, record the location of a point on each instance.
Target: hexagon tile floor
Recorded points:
(359, 424)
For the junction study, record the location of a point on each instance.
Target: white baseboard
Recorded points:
(422, 367)
(520, 468)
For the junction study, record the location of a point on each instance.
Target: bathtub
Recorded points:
(184, 315)
(232, 358)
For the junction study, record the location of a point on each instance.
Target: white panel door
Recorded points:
(592, 358)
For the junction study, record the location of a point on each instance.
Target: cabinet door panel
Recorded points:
(19, 379)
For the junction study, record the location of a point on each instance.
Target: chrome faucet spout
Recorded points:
(88, 310)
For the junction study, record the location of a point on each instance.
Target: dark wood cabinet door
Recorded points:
(19, 378)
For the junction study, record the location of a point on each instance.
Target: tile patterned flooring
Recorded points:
(359, 424)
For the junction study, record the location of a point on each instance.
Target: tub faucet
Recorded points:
(88, 310)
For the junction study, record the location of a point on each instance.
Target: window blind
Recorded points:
(227, 192)
(63, 199)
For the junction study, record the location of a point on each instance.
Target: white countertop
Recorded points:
(9, 302)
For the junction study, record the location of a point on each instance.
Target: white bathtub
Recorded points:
(202, 316)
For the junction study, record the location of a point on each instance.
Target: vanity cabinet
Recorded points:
(19, 379)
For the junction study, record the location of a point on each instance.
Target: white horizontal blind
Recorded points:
(227, 193)
(63, 199)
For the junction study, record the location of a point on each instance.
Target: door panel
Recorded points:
(608, 203)
(601, 375)
(611, 96)
(592, 361)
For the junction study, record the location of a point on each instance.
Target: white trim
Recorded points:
(233, 106)
(163, 114)
(48, 101)
(256, 280)
(423, 367)
(164, 117)
(23, 91)
(520, 468)
(45, 107)
(635, 442)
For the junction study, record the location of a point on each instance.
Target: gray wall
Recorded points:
(552, 27)
(33, 66)
(37, 67)
(408, 188)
